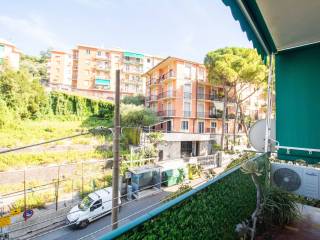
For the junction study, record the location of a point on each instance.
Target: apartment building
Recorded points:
(60, 70)
(9, 54)
(190, 107)
(93, 70)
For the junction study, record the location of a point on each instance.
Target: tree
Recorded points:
(235, 69)
(136, 116)
(136, 100)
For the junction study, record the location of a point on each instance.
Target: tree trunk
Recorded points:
(256, 213)
(235, 124)
(243, 121)
(224, 112)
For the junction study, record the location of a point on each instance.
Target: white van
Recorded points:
(92, 207)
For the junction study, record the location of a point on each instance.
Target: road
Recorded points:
(128, 209)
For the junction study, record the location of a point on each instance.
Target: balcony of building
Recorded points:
(186, 114)
(152, 98)
(166, 113)
(167, 94)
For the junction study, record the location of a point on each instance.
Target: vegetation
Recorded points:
(274, 207)
(183, 188)
(235, 69)
(241, 159)
(20, 160)
(211, 213)
(136, 116)
(135, 100)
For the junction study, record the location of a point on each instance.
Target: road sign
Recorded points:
(27, 213)
(5, 221)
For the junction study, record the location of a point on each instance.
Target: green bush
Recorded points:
(242, 158)
(279, 207)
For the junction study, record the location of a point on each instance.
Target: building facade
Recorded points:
(60, 70)
(9, 54)
(190, 108)
(93, 71)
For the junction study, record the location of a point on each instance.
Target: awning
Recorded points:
(132, 54)
(274, 25)
(102, 82)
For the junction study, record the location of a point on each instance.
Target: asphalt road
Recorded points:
(92, 231)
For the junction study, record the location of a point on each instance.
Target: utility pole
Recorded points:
(116, 146)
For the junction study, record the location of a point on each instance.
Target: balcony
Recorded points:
(103, 68)
(187, 95)
(167, 94)
(102, 57)
(152, 98)
(186, 114)
(133, 62)
(166, 113)
(200, 114)
(215, 114)
(168, 75)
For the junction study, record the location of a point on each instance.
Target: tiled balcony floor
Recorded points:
(306, 229)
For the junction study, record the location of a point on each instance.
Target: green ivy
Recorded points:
(212, 213)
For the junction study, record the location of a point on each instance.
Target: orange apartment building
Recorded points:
(60, 70)
(190, 107)
(9, 54)
(93, 71)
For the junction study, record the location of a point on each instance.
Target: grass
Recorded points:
(30, 132)
(21, 160)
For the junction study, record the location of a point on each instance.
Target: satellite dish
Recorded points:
(257, 134)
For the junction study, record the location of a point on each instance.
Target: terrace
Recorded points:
(288, 33)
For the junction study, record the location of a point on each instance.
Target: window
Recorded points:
(187, 90)
(184, 125)
(201, 127)
(97, 204)
(127, 58)
(201, 74)
(187, 71)
(187, 109)
(88, 51)
(148, 60)
(213, 124)
(226, 128)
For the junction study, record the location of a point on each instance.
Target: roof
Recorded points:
(166, 60)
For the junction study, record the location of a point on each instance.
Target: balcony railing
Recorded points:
(152, 98)
(211, 130)
(167, 94)
(166, 113)
(186, 114)
(215, 115)
(200, 114)
(222, 202)
(187, 95)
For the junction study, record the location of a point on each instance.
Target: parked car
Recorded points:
(92, 207)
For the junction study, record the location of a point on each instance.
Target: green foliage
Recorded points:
(34, 200)
(65, 104)
(20, 160)
(278, 207)
(235, 65)
(242, 158)
(211, 213)
(22, 94)
(194, 171)
(155, 137)
(135, 100)
(183, 188)
(136, 116)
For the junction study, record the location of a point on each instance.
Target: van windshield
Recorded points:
(85, 203)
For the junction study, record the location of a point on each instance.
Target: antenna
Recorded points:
(257, 134)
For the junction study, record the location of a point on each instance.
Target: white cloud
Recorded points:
(94, 3)
(32, 28)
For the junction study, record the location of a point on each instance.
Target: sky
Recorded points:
(180, 28)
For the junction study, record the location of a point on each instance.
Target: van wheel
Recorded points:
(83, 224)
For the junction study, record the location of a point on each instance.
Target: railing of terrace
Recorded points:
(222, 202)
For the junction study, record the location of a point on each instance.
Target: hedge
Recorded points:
(211, 213)
(65, 104)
